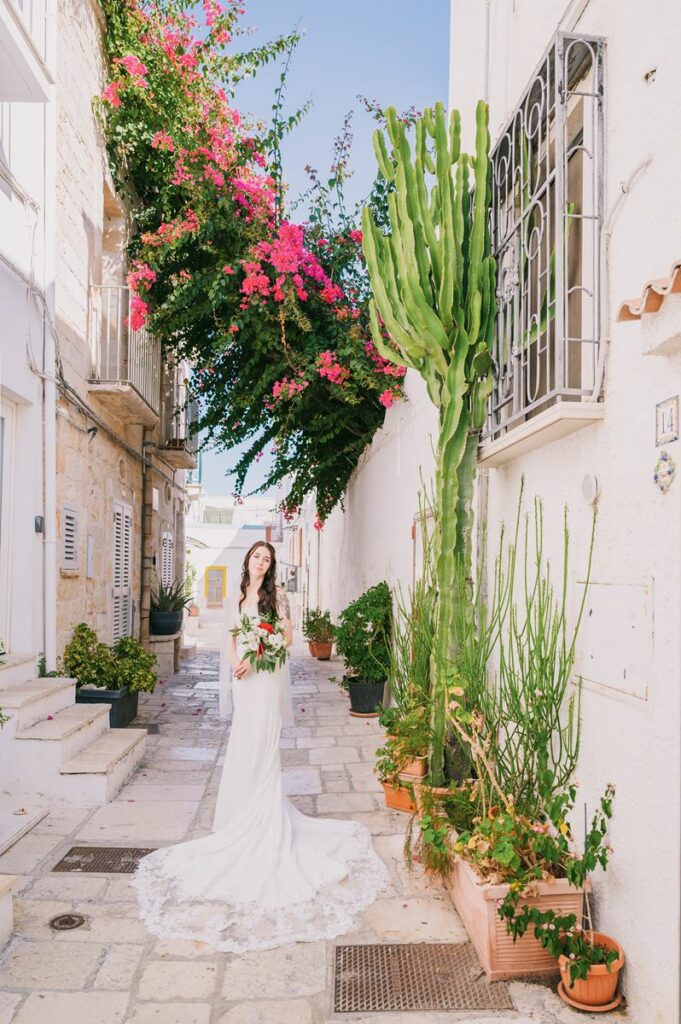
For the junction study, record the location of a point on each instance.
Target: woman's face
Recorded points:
(259, 562)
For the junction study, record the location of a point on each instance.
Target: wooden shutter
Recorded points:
(167, 559)
(122, 572)
(69, 537)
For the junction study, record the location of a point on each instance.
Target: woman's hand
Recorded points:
(241, 669)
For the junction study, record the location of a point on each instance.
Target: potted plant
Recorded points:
(310, 619)
(398, 796)
(363, 640)
(324, 633)
(109, 675)
(167, 607)
(589, 966)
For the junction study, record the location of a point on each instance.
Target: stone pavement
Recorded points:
(111, 971)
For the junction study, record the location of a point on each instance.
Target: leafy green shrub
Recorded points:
(363, 636)
(134, 665)
(88, 661)
(92, 663)
(318, 627)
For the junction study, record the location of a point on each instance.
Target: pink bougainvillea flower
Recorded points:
(318, 524)
(228, 270)
(110, 94)
(162, 140)
(135, 68)
(386, 398)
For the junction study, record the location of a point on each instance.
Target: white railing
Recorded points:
(33, 13)
(121, 355)
(181, 414)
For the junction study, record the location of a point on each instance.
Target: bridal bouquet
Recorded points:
(262, 641)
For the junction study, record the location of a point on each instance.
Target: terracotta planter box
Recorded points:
(323, 650)
(398, 799)
(501, 957)
(312, 648)
(415, 769)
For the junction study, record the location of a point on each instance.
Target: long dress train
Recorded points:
(267, 874)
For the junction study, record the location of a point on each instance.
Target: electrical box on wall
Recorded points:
(615, 640)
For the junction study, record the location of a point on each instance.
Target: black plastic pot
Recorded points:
(366, 697)
(123, 704)
(165, 623)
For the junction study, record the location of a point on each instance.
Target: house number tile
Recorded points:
(667, 421)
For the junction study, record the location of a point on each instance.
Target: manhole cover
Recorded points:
(104, 859)
(152, 727)
(65, 922)
(423, 976)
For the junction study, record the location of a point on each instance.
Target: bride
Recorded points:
(267, 874)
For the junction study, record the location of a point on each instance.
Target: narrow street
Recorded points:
(110, 971)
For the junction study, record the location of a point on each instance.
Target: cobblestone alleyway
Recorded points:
(111, 971)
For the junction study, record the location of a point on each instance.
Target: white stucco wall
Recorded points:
(26, 217)
(630, 647)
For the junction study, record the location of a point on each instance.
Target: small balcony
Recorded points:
(126, 363)
(24, 77)
(179, 440)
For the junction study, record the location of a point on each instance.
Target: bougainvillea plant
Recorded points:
(271, 314)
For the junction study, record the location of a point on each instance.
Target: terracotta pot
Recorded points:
(398, 798)
(312, 647)
(415, 769)
(502, 958)
(323, 649)
(600, 985)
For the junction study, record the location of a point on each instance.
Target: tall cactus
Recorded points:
(433, 281)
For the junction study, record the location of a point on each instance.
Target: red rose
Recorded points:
(266, 626)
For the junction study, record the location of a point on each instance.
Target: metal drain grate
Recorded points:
(66, 922)
(423, 976)
(104, 859)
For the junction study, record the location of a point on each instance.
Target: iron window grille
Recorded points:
(546, 233)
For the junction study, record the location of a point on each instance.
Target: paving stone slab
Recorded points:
(24, 857)
(61, 821)
(334, 755)
(293, 1011)
(171, 1013)
(8, 1004)
(66, 1007)
(415, 920)
(295, 970)
(344, 803)
(39, 965)
(67, 886)
(302, 781)
(124, 822)
(169, 980)
(118, 967)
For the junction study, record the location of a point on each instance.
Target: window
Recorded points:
(69, 538)
(122, 572)
(167, 559)
(216, 585)
(546, 226)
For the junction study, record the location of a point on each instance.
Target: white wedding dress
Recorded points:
(267, 875)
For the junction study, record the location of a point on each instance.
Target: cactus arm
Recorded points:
(384, 163)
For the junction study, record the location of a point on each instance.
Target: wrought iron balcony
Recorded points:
(546, 232)
(126, 363)
(180, 439)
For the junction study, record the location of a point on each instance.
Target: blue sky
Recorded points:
(393, 51)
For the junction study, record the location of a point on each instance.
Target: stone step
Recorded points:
(57, 739)
(15, 670)
(33, 701)
(102, 767)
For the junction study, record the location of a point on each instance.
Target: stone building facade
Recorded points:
(122, 454)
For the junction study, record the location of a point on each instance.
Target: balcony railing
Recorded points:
(122, 358)
(180, 439)
(546, 228)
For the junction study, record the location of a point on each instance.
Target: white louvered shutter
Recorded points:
(69, 538)
(167, 558)
(122, 572)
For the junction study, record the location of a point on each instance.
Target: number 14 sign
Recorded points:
(667, 421)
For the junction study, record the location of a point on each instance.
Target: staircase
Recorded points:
(56, 749)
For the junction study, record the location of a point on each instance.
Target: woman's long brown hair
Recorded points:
(267, 595)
